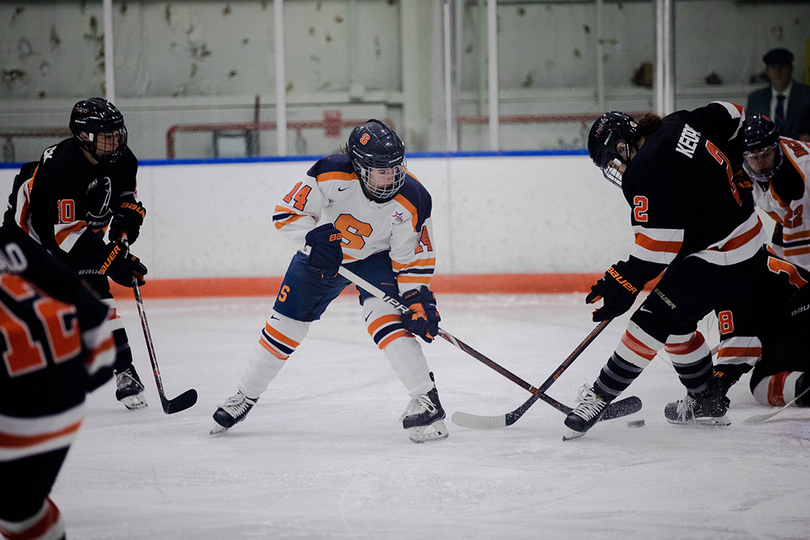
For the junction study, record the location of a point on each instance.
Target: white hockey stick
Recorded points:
(759, 418)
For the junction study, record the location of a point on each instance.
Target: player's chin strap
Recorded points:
(537, 393)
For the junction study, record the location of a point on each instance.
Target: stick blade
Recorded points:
(759, 418)
(180, 403)
(623, 407)
(473, 421)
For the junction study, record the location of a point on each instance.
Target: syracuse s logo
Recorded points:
(364, 139)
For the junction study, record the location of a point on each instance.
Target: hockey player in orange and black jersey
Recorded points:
(57, 345)
(363, 209)
(690, 221)
(80, 187)
(767, 326)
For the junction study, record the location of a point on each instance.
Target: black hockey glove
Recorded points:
(127, 220)
(618, 289)
(119, 265)
(326, 253)
(423, 321)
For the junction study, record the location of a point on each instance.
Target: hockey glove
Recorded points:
(326, 253)
(119, 265)
(423, 321)
(618, 289)
(127, 220)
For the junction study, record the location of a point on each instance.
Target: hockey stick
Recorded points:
(759, 418)
(187, 398)
(622, 407)
(537, 393)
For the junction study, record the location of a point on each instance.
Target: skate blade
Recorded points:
(134, 402)
(721, 421)
(573, 435)
(439, 432)
(218, 430)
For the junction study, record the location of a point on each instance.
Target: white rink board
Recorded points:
(525, 214)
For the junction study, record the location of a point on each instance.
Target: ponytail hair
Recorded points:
(648, 124)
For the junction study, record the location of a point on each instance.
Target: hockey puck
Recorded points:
(635, 423)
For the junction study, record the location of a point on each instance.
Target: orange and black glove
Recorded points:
(423, 320)
(127, 220)
(115, 262)
(618, 288)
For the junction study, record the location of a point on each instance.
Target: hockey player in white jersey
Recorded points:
(779, 168)
(363, 209)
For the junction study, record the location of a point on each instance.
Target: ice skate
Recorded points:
(129, 389)
(706, 408)
(425, 413)
(233, 411)
(590, 407)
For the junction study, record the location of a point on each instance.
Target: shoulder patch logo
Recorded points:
(399, 217)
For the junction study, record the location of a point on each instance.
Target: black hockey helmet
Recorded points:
(95, 116)
(610, 129)
(378, 157)
(759, 136)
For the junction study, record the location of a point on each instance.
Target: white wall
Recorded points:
(528, 214)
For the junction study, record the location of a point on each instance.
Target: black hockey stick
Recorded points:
(615, 410)
(537, 393)
(187, 398)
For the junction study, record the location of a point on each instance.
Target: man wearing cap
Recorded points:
(784, 100)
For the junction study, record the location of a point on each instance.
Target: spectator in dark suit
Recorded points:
(784, 100)
(804, 124)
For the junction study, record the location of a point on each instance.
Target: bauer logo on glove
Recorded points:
(423, 321)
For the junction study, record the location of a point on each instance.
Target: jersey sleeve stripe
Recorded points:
(399, 267)
(68, 234)
(740, 245)
(735, 112)
(411, 209)
(658, 246)
(420, 280)
(284, 216)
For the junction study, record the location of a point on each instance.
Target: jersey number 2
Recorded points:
(723, 161)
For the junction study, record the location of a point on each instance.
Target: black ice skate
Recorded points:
(233, 411)
(129, 389)
(706, 408)
(591, 406)
(423, 412)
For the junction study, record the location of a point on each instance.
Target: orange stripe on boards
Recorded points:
(440, 284)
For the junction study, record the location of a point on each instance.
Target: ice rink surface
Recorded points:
(322, 455)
